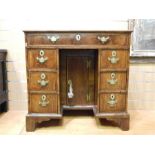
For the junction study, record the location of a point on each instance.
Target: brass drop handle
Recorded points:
(103, 39)
(53, 39)
(112, 100)
(113, 79)
(42, 80)
(113, 59)
(70, 89)
(41, 59)
(43, 101)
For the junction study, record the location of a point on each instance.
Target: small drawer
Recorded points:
(114, 59)
(43, 81)
(40, 58)
(83, 38)
(112, 102)
(113, 81)
(43, 103)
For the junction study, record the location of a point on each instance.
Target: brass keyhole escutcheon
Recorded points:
(78, 37)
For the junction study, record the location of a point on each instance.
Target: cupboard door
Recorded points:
(80, 78)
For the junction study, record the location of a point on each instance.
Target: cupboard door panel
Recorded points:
(77, 75)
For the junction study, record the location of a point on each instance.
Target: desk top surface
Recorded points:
(77, 31)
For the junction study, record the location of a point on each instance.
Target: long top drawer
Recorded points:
(61, 39)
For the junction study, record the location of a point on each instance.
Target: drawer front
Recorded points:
(113, 59)
(43, 103)
(113, 81)
(43, 81)
(110, 39)
(112, 102)
(40, 58)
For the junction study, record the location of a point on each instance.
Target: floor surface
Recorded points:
(142, 122)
